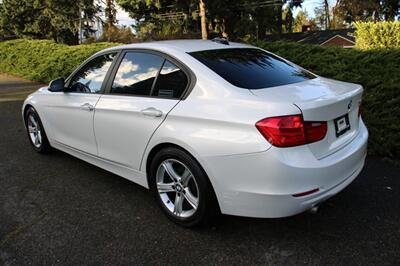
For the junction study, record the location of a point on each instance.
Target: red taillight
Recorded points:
(302, 194)
(315, 131)
(288, 131)
(284, 131)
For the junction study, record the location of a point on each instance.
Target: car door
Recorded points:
(145, 88)
(70, 113)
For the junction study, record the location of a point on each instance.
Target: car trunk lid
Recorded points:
(323, 99)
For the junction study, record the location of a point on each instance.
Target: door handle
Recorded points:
(151, 111)
(87, 107)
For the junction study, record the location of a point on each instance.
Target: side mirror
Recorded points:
(57, 85)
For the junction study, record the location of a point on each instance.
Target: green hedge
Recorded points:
(377, 70)
(373, 35)
(44, 60)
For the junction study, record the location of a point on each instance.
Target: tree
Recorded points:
(337, 21)
(288, 20)
(239, 19)
(162, 17)
(321, 18)
(326, 18)
(287, 15)
(250, 17)
(327, 14)
(50, 19)
(202, 6)
(116, 34)
(224, 16)
(390, 9)
(4, 28)
(110, 13)
(302, 20)
(367, 10)
(355, 10)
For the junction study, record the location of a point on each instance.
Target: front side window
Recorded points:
(251, 68)
(89, 78)
(136, 74)
(171, 82)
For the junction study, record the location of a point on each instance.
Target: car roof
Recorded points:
(180, 45)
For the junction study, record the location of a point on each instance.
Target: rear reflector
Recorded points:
(302, 194)
(289, 131)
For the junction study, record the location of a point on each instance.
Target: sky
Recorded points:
(123, 17)
(309, 5)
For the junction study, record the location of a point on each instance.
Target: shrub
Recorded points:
(44, 60)
(372, 35)
(120, 35)
(377, 70)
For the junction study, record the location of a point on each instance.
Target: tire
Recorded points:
(36, 133)
(181, 188)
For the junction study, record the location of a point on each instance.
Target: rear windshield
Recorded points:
(251, 68)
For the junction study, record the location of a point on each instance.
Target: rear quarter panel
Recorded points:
(217, 119)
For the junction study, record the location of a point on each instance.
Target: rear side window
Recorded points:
(136, 73)
(251, 68)
(171, 82)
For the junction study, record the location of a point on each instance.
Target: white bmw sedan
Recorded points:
(208, 126)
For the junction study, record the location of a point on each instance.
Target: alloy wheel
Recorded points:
(34, 130)
(177, 188)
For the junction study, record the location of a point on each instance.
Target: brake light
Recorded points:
(315, 131)
(289, 131)
(302, 194)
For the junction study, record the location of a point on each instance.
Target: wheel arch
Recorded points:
(25, 109)
(160, 146)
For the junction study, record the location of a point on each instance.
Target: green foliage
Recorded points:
(356, 10)
(44, 60)
(302, 19)
(120, 35)
(372, 35)
(162, 30)
(111, 13)
(239, 19)
(161, 19)
(366, 10)
(377, 70)
(50, 19)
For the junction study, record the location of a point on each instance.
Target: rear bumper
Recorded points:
(263, 184)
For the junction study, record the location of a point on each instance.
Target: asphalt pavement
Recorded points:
(58, 210)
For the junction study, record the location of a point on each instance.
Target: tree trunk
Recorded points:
(203, 20)
(110, 13)
(261, 30)
(289, 21)
(80, 38)
(327, 15)
(280, 20)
